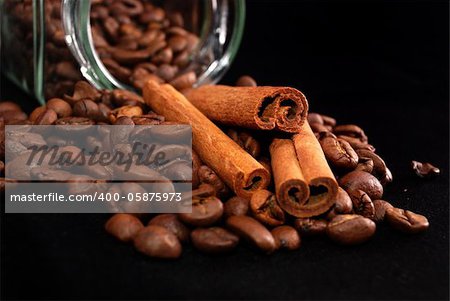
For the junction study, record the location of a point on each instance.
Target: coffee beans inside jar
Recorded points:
(221, 220)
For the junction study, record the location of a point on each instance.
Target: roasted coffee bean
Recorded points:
(171, 132)
(379, 167)
(339, 153)
(310, 226)
(196, 164)
(207, 175)
(123, 226)
(205, 212)
(121, 73)
(83, 90)
(36, 113)
(8, 106)
(265, 208)
(356, 143)
(45, 173)
(202, 191)
(246, 141)
(350, 229)
(173, 224)
(178, 170)
(177, 43)
(86, 108)
(75, 121)
(61, 107)
(406, 221)
(364, 164)
(327, 120)
(425, 170)
(387, 178)
(166, 72)
(246, 81)
(157, 241)
(319, 128)
(380, 210)
(363, 181)
(214, 240)
(121, 97)
(129, 111)
(362, 204)
(184, 81)
(343, 204)
(10, 117)
(253, 231)
(286, 237)
(350, 130)
(47, 117)
(236, 206)
(315, 118)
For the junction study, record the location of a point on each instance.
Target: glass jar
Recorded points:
(48, 45)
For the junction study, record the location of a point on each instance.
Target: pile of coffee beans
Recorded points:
(135, 39)
(219, 219)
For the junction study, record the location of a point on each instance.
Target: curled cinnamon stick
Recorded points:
(240, 171)
(321, 181)
(264, 108)
(291, 188)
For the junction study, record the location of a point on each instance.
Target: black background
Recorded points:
(381, 65)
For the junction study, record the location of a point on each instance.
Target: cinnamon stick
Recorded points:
(321, 181)
(291, 188)
(264, 108)
(240, 171)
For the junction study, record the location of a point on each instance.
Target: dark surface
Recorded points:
(382, 65)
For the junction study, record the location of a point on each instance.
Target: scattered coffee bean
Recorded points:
(173, 224)
(380, 210)
(236, 206)
(205, 212)
(286, 237)
(349, 229)
(157, 241)
(246, 81)
(214, 240)
(123, 226)
(310, 227)
(253, 231)
(363, 181)
(425, 170)
(265, 208)
(362, 204)
(406, 221)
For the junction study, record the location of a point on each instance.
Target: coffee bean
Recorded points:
(379, 167)
(350, 130)
(246, 141)
(75, 121)
(310, 226)
(214, 240)
(356, 143)
(315, 118)
(123, 226)
(157, 241)
(129, 111)
(380, 210)
(205, 212)
(47, 117)
(171, 223)
(286, 237)
(364, 164)
(265, 208)
(339, 153)
(320, 128)
(349, 229)
(425, 170)
(184, 81)
(207, 175)
(327, 120)
(177, 43)
(235, 206)
(362, 204)
(253, 231)
(86, 108)
(36, 112)
(406, 221)
(343, 203)
(8, 106)
(363, 181)
(61, 107)
(246, 81)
